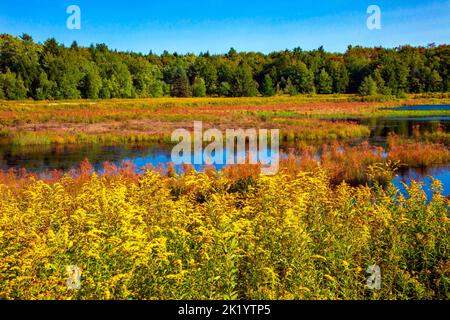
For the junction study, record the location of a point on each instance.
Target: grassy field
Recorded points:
(135, 120)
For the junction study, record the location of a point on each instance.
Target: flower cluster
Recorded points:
(211, 236)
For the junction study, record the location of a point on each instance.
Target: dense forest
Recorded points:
(53, 71)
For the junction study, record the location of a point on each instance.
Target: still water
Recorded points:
(38, 159)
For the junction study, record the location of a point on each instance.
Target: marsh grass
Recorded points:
(417, 154)
(52, 138)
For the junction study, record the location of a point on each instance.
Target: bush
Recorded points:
(207, 236)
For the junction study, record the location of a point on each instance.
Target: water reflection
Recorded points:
(43, 158)
(404, 127)
(422, 107)
(423, 175)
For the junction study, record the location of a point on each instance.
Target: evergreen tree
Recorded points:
(268, 89)
(180, 84)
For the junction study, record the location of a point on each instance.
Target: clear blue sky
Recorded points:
(217, 25)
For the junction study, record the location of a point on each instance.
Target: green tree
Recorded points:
(290, 88)
(368, 87)
(91, 82)
(225, 89)
(378, 78)
(243, 83)
(268, 89)
(21, 57)
(301, 77)
(53, 71)
(340, 77)
(117, 81)
(146, 77)
(208, 72)
(325, 84)
(435, 82)
(44, 88)
(199, 88)
(180, 84)
(12, 86)
(63, 68)
(358, 63)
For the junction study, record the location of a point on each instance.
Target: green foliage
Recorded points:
(243, 83)
(91, 82)
(435, 82)
(147, 78)
(368, 87)
(225, 89)
(379, 81)
(199, 88)
(290, 88)
(45, 88)
(208, 72)
(302, 78)
(12, 86)
(339, 75)
(325, 83)
(268, 89)
(53, 71)
(117, 81)
(180, 84)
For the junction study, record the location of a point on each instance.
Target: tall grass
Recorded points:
(52, 138)
(417, 154)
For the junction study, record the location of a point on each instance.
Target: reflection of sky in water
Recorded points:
(422, 107)
(441, 174)
(164, 157)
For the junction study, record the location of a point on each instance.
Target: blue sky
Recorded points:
(247, 25)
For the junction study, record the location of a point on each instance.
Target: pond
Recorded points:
(38, 159)
(422, 107)
(423, 175)
(403, 127)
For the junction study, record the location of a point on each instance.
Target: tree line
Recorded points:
(51, 70)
